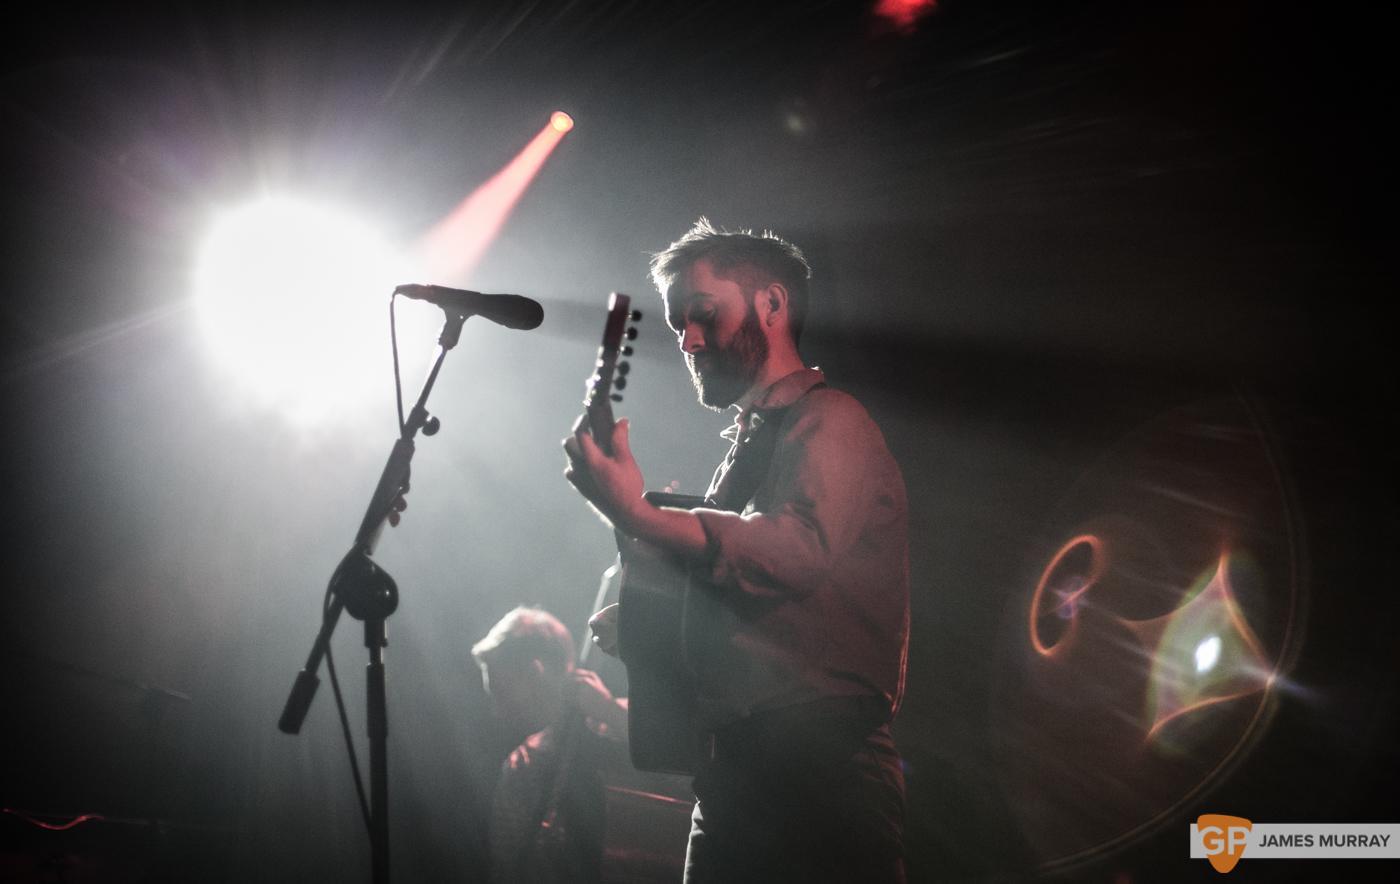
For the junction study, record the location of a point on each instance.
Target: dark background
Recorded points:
(1034, 228)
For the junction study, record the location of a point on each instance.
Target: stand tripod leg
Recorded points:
(375, 639)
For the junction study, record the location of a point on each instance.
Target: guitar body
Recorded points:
(660, 617)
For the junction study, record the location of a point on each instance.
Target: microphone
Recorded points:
(512, 311)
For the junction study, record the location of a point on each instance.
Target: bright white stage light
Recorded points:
(1207, 654)
(293, 299)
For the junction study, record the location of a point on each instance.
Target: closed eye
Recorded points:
(701, 314)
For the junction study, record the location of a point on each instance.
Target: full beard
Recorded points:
(722, 376)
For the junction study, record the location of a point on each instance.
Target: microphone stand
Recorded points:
(365, 590)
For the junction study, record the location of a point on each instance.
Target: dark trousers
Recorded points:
(805, 794)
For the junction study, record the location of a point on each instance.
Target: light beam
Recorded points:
(453, 248)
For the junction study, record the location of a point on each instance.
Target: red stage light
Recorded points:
(903, 14)
(452, 249)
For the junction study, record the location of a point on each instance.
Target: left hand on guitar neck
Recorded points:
(612, 483)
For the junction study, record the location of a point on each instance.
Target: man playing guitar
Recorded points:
(801, 558)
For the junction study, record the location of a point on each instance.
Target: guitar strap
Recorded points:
(738, 478)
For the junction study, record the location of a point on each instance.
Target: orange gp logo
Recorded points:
(1224, 838)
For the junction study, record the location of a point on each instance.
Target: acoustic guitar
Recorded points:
(659, 616)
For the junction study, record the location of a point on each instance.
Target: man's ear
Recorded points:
(771, 302)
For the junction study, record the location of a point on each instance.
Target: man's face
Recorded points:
(523, 696)
(719, 333)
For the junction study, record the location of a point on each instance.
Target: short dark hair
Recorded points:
(527, 634)
(749, 259)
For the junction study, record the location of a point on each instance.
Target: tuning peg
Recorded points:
(615, 397)
(631, 334)
(636, 316)
(626, 351)
(624, 367)
(620, 383)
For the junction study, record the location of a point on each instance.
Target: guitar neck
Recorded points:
(600, 424)
(609, 372)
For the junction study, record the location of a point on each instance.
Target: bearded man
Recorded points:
(806, 546)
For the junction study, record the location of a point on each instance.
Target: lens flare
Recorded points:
(1202, 654)
(1207, 654)
(1072, 572)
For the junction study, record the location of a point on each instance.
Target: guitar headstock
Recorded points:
(610, 371)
